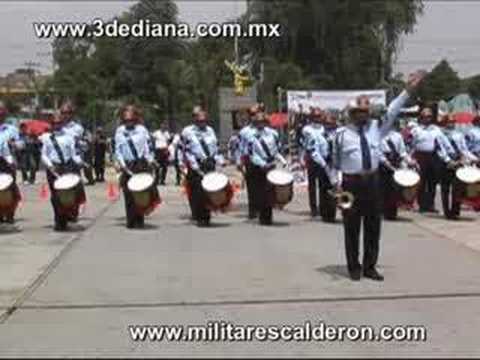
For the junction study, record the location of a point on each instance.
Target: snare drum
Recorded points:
(66, 187)
(407, 180)
(469, 177)
(7, 197)
(141, 185)
(218, 190)
(282, 184)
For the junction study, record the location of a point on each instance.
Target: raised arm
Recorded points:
(396, 105)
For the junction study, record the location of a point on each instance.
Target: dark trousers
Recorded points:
(100, 166)
(389, 192)
(321, 203)
(366, 210)
(429, 170)
(178, 173)
(88, 170)
(451, 193)
(262, 193)
(251, 195)
(28, 162)
(200, 212)
(161, 156)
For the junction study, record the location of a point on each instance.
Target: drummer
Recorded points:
(455, 154)
(7, 166)
(243, 159)
(133, 154)
(473, 136)
(316, 155)
(264, 150)
(425, 150)
(311, 127)
(201, 157)
(394, 156)
(356, 158)
(60, 156)
(77, 131)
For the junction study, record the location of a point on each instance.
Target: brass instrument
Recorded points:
(344, 199)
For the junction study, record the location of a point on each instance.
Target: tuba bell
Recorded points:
(344, 199)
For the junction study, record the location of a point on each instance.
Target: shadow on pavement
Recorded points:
(336, 272)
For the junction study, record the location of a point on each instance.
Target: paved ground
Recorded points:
(75, 294)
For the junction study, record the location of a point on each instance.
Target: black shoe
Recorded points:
(355, 275)
(266, 222)
(314, 214)
(60, 227)
(203, 223)
(252, 216)
(10, 220)
(373, 274)
(130, 223)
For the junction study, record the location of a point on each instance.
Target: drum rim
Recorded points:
(467, 168)
(269, 175)
(70, 175)
(10, 181)
(211, 175)
(405, 171)
(136, 176)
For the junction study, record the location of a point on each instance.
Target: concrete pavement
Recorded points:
(77, 293)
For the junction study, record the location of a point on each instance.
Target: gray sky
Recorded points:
(448, 29)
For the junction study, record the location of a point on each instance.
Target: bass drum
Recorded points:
(66, 187)
(141, 185)
(407, 180)
(281, 182)
(218, 190)
(469, 177)
(7, 197)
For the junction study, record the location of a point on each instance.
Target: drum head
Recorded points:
(468, 174)
(406, 177)
(6, 180)
(280, 177)
(140, 182)
(214, 182)
(66, 182)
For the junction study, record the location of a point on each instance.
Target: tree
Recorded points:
(352, 42)
(472, 86)
(440, 84)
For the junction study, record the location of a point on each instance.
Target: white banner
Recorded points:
(337, 100)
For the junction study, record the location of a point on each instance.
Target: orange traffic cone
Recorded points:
(112, 191)
(44, 192)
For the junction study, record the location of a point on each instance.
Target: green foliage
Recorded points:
(347, 43)
(326, 44)
(441, 83)
(472, 86)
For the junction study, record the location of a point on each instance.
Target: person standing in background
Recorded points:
(162, 140)
(100, 150)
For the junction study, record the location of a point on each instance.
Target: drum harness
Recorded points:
(58, 150)
(265, 149)
(209, 163)
(396, 158)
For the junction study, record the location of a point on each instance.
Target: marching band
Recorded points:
(366, 168)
